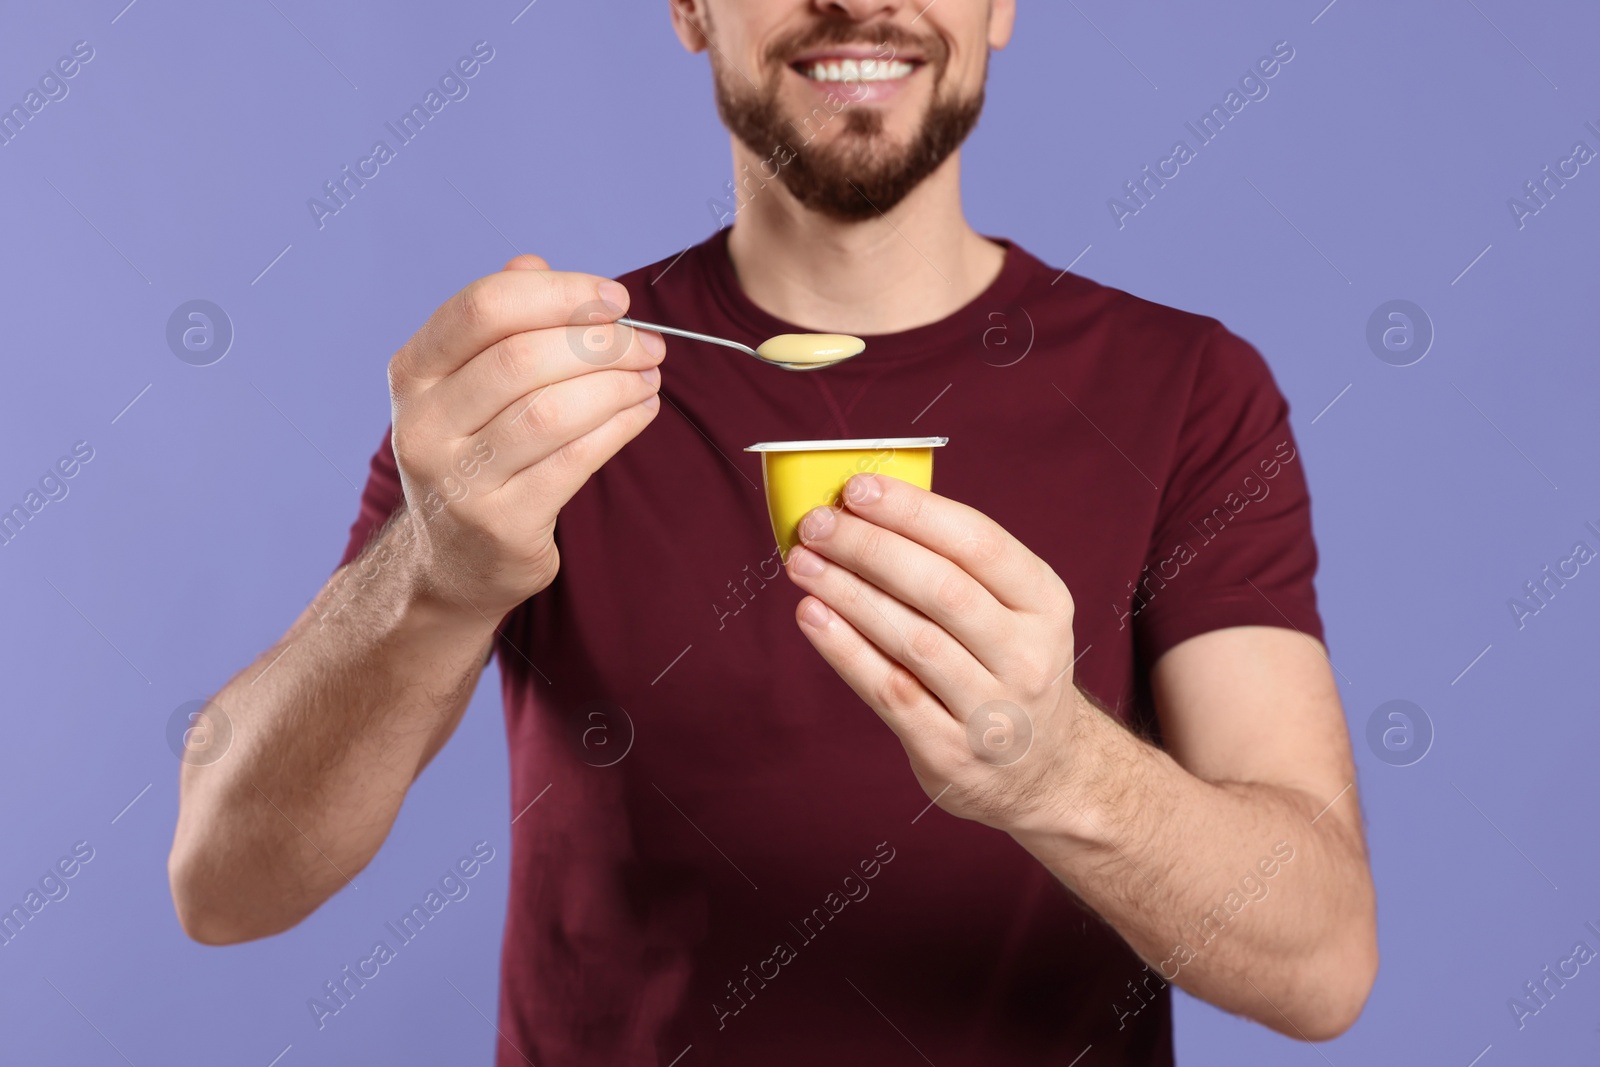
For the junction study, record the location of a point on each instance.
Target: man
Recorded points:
(1097, 646)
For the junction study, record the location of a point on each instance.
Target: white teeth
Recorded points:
(867, 70)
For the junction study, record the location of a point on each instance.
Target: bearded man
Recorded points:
(1026, 750)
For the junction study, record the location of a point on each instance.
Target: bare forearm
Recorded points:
(1252, 896)
(329, 728)
(499, 418)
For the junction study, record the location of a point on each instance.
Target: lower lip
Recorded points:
(859, 92)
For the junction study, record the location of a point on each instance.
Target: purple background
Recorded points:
(179, 165)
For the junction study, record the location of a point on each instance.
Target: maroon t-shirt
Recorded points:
(730, 861)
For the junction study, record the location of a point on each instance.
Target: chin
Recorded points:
(851, 143)
(835, 121)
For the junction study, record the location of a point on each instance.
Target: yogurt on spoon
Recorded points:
(810, 348)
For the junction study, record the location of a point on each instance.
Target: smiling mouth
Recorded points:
(851, 69)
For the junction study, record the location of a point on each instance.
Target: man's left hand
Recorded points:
(960, 639)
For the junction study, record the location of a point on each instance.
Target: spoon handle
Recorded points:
(690, 334)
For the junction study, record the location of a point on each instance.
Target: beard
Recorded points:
(857, 175)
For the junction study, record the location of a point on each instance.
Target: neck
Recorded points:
(915, 265)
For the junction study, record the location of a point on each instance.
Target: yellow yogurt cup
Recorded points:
(801, 475)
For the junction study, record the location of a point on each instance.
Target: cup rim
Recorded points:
(856, 443)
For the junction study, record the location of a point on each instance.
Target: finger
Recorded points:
(965, 536)
(535, 426)
(569, 466)
(497, 306)
(924, 647)
(526, 261)
(916, 576)
(885, 686)
(525, 362)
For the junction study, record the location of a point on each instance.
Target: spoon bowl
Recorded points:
(790, 351)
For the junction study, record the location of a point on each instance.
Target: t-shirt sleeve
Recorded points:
(379, 500)
(1232, 544)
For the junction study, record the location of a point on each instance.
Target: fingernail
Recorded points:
(815, 615)
(863, 489)
(613, 295)
(804, 563)
(652, 376)
(817, 524)
(652, 343)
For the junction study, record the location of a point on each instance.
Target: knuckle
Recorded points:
(621, 391)
(897, 688)
(607, 341)
(956, 593)
(979, 547)
(912, 507)
(573, 298)
(925, 641)
(479, 304)
(579, 458)
(631, 389)
(512, 356)
(1034, 672)
(1069, 607)
(580, 289)
(594, 340)
(541, 416)
(1059, 607)
(572, 457)
(870, 544)
(853, 594)
(396, 373)
(404, 443)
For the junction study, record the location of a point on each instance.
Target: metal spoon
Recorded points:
(746, 349)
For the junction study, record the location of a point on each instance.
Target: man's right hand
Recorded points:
(515, 391)
(505, 402)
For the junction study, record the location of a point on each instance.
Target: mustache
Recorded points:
(898, 39)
